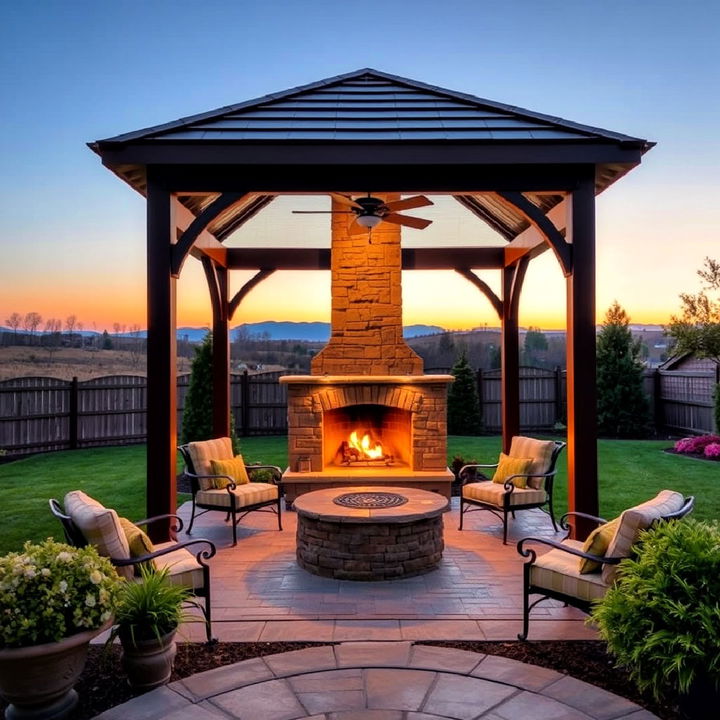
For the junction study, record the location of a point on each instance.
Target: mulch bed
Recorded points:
(102, 684)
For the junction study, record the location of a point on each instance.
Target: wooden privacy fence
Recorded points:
(43, 414)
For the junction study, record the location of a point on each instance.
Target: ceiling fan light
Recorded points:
(369, 221)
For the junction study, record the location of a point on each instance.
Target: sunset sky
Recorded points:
(73, 71)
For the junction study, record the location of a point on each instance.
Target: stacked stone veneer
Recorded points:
(367, 334)
(371, 551)
(424, 397)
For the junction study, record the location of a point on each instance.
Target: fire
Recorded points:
(367, 448)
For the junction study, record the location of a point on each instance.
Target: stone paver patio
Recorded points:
(379, 681)
(259, 592)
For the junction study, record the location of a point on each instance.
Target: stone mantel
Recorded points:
(365, 379)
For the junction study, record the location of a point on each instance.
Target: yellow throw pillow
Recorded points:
(235, 468)
(138, 541)
(597, 543)
(508, 466)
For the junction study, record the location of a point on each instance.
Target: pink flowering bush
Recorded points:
(698, 445)
(712, 450)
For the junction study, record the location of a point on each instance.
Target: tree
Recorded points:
(52, 336)
(622, 406)
(14, 322)
(198, 411)
(31, 323)
(463, 404)
(535, 342)
(106, 341)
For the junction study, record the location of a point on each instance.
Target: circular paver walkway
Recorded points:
(379, 681)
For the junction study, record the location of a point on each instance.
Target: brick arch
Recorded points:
(347, 395)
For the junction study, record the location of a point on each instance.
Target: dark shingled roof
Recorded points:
(370, 107)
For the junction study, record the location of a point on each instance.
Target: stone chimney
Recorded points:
(366, 336)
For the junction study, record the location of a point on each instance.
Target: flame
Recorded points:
(365, 446)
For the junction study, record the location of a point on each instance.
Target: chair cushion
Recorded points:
(493, 493)
(508, 466)
(539, 450)
(138, 542)
(202, 451)
(182, 566)
(635, 519)
(597, 543)
(249, 494)
(557, 570)
(100, 527)
(235, 468)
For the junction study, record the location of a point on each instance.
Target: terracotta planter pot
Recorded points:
(38, 680)
(148, 663)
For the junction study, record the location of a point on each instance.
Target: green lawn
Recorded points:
(630, 471)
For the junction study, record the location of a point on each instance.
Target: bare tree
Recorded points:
(70, 324)
(14, 322)
(136, 345)
(53, 336)
(31, 322)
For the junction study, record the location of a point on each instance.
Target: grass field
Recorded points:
(630, 471)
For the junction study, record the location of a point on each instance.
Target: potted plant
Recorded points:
(147, 616)
(54, 599)
(661, 620)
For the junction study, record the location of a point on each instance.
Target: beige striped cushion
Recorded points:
(184, 569)
(559, 571)
(635, 519)
(540, 450)
(493, 493)
(100, 527)
(249, 494)
(203, 451)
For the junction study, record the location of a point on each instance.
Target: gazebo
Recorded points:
(531, 177)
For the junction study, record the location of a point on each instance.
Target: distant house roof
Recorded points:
(365, 118)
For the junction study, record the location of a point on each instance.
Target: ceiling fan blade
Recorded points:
(323, 212)
(344, 200)
(407, 220)
(408, 203)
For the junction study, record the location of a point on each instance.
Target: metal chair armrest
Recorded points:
(147, 521)
(205, 554)
(464, 468)
(276, 471)
(526, 552)
(565, 525)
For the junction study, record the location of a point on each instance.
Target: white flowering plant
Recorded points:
(50, 591)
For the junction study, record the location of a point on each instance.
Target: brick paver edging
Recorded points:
(378, 681)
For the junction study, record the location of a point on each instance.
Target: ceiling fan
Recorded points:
(371, 211)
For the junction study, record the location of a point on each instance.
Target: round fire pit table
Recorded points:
(370, 532)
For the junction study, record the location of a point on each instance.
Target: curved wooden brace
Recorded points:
(516, 287)
(484, 288)
(536, 217)
(241, 294)
(184, 244)
(219, 307)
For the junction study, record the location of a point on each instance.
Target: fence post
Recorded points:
(73, 420)
(244, 404)
(558, 395)
(480, 395)
(658, 405)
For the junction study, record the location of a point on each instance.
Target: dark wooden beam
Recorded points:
(190, 235)
(470, 203)
(205, 244)
(484, 288)
(161, 360)
(540, 221)
(512, 280)
(531, 242)
(319, 259)
(581, 378)
(241, 294)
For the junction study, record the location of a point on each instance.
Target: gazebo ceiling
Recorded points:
(364, 125)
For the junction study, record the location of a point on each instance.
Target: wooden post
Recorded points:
(245, 403)
(161, 360)
(510, 359)
(581, 376)
(73, 419)
(221, 358)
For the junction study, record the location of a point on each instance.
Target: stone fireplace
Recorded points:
(366, 414)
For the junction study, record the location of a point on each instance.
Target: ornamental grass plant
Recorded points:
(51, 591)
(662, 618)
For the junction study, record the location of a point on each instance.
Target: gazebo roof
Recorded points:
(369, 118)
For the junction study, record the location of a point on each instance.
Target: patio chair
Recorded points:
(234, 494)
(579, 572)
(85, 521)
(527, 484)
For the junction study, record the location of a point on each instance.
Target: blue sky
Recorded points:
(76, 71)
